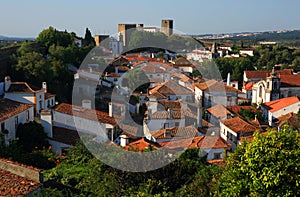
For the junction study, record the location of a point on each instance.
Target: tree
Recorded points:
(136, 80)
(88, 38)
(31, 136)
(269, 165)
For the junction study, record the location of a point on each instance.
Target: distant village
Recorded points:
(215, 116)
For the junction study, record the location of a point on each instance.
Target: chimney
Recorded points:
(87, 104)
(170, 113)
(46, 122)
(110, 109)
(228, 79)
(7, 83)
(44, 86)
(123, 140)
(199, 116)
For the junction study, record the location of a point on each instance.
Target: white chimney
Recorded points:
(123, 140)
(87, 104)
(110, 109)
(199, 116)
(7, 83)
(46, 122)
(170, 113)
(44, 86)
(228, 79)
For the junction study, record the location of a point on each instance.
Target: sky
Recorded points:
(19, 18)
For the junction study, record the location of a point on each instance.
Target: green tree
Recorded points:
(136, 80)
(31, 136)
(88, 38)
(269, 165)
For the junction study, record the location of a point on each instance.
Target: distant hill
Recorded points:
(14, 38)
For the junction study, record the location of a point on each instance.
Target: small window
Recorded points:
(27, 115)
(2, 126)
(217, 155)
(167, 133)
(176, 124)
(166, 125)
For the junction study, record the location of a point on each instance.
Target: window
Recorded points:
(167, 133)
(229, 99)
(166, 125)
(2, 126)
(176, 124)
(16, 121)
(27, 115)
(217, 155)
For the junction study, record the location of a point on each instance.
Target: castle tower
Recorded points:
(126, 30)
(167, 27)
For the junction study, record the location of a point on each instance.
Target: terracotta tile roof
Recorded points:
(214, 86)
(9, 108)
(152, 68)
(14, 185)
(290, 119)
(276, 105)
(131, 131)
(181, 61)
(141, 59)
(113, 75)
(171, 104)
(218, 111)
(156, 80)
(182, 77)
(89, 114)
(209, 142)
(261, 74)
(23, 87)
(249, 86)
(171, 88)
(176, 132)
(176, 114)
(142, 144)
(66, 136)
(157, 95)
(236, 109)
(238, 125)
(290, 80)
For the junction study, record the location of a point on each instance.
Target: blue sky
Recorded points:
(28, 18)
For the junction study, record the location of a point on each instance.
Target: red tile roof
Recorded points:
(261, 74)
(181, 61)
(290, 80)
(276, 105)
(236, 109)
(209, 142)
(182, 77)
(176, 132)
(238, 125)
(171, 88)
(218, 111)
(152, 68)
(66, 136)
(89, 114)
(249, 86)
(9, 108)
(141, 145)
(290, 119)
(214, 86)
(12, 184)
